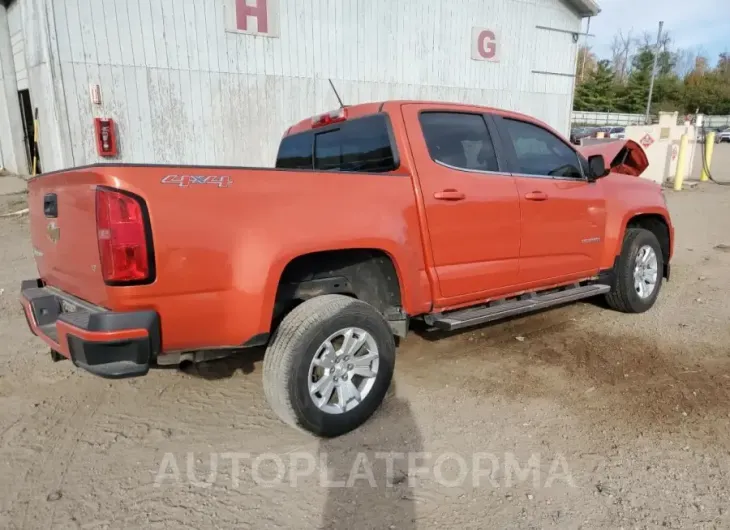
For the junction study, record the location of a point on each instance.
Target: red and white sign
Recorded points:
(106, 138)
(675, 152)
(484, 44)
(646, 140)
(255, 17)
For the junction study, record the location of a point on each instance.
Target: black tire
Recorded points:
(623, 296)
(294, 344)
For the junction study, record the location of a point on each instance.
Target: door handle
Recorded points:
(50, 205)
(449, 195)
(536, 196)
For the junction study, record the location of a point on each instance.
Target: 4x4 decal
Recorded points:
(183, 181)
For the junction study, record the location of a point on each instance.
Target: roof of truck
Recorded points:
(364, 109)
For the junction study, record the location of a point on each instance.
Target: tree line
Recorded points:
(685, 81)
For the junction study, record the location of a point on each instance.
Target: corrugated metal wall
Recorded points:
(42, 78)
(17, 42)
(183, 90)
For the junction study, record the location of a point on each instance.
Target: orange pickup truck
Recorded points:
(375, 214)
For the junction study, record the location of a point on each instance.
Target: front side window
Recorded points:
(459, 140)
(540, 152)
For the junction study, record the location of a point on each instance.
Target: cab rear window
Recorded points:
(362, 144)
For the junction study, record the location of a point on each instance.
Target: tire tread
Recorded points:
(618, 298)
(281, 352)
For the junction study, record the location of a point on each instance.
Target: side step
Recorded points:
(473, 316)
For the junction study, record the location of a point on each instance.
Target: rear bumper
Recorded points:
(106, 343)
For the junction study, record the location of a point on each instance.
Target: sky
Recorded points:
(700, 25)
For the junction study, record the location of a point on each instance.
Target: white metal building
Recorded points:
(219, 81)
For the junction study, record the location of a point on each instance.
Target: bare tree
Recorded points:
(648, 40)
(701, 66)
(665, 42)
(685, 63)
(622, 49)
(586, 62)
(616, 53)
(723, 64)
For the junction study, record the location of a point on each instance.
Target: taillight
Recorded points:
(121, 231)
(329, 117)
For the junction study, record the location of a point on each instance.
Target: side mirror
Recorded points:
(596, 167)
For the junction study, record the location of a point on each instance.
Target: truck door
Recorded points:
(471, 205)
(562, 214)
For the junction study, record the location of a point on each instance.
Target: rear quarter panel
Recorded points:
(220, 251)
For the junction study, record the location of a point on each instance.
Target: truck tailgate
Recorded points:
(64, 234)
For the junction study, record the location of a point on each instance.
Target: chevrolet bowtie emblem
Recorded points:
(54, 233)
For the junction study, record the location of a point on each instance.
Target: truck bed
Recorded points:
(216, 232)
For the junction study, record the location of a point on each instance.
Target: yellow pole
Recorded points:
(709, 148)
(679, 175)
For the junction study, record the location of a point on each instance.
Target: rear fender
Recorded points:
(411, 280)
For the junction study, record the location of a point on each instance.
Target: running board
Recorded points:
(473, 316)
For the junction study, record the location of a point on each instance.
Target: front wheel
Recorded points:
(639, 272)
(329, 365)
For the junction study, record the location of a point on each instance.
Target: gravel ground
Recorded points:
(576, 417)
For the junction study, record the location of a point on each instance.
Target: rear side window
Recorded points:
(359, 145)
(540, 152)
(362, 144)
(459, 140)
(295, 152)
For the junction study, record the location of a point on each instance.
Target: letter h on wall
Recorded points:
(254, 17)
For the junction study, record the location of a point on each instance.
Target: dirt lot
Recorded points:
(625, 421)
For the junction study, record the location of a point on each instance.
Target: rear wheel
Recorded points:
(329, 365)
(638, 274)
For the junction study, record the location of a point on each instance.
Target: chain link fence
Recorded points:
(583, 118)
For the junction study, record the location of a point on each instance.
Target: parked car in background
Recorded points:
(723, 135)
(578, 133)
(610, 131)
(616, 132)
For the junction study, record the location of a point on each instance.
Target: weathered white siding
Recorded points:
(11, 126)
(17, 42)
(42, 77)
(183, 90)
